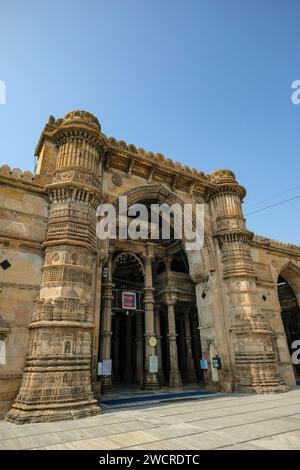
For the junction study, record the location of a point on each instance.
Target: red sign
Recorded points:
(129, 300)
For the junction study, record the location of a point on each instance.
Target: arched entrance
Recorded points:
(149, 322)
(128, 327)
(290, 314)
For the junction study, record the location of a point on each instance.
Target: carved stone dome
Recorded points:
(83, 117)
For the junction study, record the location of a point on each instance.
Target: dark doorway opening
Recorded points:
(290, 313)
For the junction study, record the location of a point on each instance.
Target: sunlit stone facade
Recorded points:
(60, 285)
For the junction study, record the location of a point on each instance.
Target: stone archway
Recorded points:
(288, 290)
(164, 293)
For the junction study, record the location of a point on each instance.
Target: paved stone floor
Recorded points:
(215, 422)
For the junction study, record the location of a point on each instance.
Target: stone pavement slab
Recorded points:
(218, 422)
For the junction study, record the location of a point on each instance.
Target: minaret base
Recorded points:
(21, 414)
(261, 389)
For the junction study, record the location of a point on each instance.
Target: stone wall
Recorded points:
(271, 259)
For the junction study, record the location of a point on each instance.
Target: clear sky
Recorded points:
(205, 82)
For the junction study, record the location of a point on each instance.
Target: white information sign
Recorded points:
(106, 368)
(153, 364)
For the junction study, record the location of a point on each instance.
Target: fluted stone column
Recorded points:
(170, 299)
(151, 379)
(254, 349)
(107, 386)
(57, 376)
(161, 377)
(190, 372)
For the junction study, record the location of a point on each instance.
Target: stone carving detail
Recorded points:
(57, 370)
(4, 327)
(117, 180)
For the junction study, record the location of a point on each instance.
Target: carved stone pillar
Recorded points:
(255, 357)
(57, 376)
(181, 347)
(97, 294)
(151, 379)
(116, 341)
(170, 299)
(190, 372)
(161, 377)
(106, 332)
(139, 349)
(128, 350)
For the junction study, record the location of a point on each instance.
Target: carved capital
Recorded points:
(170, 298)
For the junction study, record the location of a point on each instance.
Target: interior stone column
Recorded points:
(190, 372)
(181, 342)
(170, 299)
(255, 356)
(139, 349)
(151, 379)
(56, 383)
(107, 386)
(116, 341)
(161, 377)
(128, 350)
(97, 295)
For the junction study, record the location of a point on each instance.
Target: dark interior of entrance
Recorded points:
(290, 313)
(128, 325)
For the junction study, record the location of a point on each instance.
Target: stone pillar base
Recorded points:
(161, 377)
(260, 378)
(175, 379)
(151, 381)
(106, 385)
(96, 388)
(20, 414)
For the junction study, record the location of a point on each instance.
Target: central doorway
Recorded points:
(127, 348)
(128, 323)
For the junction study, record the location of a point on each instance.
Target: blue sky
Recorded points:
(205, 82)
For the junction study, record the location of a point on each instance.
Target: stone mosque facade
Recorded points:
(222, 318)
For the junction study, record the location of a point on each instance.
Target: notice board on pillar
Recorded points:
(153, 364)
(128, 300)
(106, 367)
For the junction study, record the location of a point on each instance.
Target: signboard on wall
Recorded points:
(216, 361)
(128, 300)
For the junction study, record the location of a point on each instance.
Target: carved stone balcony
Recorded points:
(4, 327)
(180, 283)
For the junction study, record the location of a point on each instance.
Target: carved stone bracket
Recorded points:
(170, 298)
